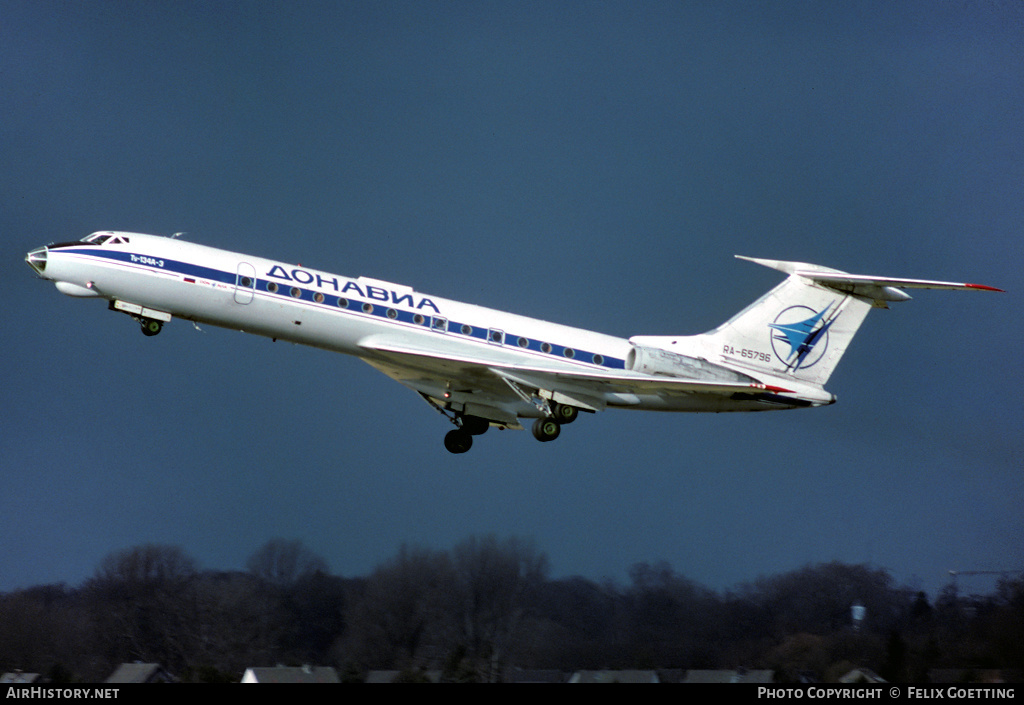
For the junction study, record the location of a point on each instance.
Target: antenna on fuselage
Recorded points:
(175, 236)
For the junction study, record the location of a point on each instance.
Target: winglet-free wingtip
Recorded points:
(982, 287)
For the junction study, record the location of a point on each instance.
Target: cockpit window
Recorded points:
(105, 239)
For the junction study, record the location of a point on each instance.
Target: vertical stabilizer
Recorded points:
(801, 328)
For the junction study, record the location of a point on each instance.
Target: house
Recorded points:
(861, 675)
(414, 675)
(535, 675)
(19, 677)
(290, 674)
(729, 676)
(624, 676)
(140, 673)
(974, 675)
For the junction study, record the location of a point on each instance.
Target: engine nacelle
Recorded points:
(657, 361)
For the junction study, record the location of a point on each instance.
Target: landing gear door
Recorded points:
(245, 283)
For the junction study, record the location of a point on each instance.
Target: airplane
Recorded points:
(482, 367)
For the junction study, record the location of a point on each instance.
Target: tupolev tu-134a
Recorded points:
(481, 367)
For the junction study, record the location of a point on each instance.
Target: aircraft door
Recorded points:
(245, 283)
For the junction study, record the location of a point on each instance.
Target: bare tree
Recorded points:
(671, 619)
(141, 605)
(282, 562)
(496, 581)
(400, 618)
(143, 567)
(237, 623)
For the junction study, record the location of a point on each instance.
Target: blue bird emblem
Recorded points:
(803, 336)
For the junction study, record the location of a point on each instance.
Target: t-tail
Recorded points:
(800, 329)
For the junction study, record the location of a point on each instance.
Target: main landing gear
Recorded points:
(563, 413)
(548, 428)
(545, 429)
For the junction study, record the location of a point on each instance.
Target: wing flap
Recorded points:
(619, 382)
(588, 386)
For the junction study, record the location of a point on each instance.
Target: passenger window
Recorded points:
(439, 324)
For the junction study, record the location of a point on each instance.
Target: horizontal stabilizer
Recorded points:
(869, 287)
(862, 280)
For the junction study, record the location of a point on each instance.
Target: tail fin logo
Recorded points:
(800, 335)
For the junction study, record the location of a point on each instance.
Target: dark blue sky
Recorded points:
(594, 163)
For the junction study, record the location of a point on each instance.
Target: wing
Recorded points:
(494, 389)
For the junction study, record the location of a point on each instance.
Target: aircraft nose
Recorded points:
(36, 259)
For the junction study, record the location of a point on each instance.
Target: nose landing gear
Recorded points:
(458, 441)
(151, 320)
(461, 439)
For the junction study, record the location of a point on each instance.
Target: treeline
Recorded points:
(488, 605)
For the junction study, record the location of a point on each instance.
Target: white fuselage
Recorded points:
(479, 366)
(310, 307)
